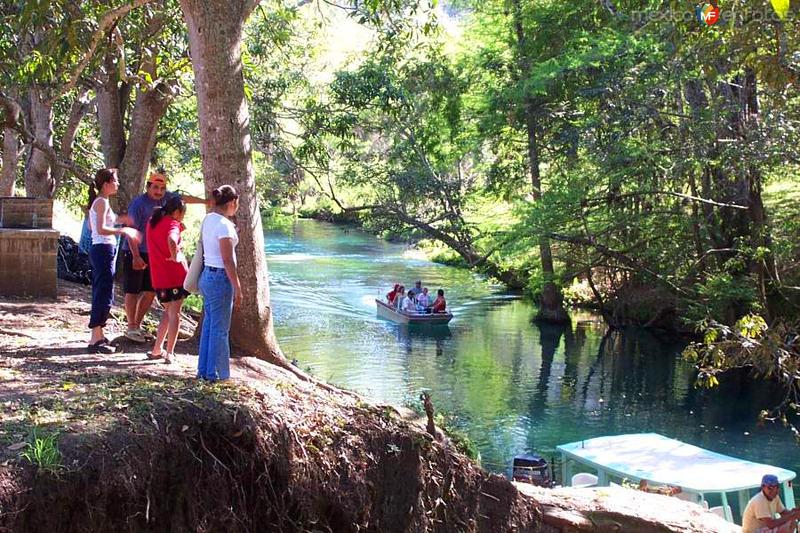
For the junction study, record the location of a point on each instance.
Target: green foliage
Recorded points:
(43, 452)
(772, 352)
(719, 294)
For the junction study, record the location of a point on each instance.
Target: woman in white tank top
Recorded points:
(103, 254)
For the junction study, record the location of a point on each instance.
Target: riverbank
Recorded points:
(98, 443)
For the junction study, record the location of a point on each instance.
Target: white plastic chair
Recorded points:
(690, 497)
(719, 510)
(584, 480)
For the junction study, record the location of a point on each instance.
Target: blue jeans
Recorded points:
(215, 350)
(102, 258)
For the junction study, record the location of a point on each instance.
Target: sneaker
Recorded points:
(135, 335)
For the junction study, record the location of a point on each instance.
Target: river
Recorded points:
(511, 385)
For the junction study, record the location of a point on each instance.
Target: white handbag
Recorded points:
(196, 267)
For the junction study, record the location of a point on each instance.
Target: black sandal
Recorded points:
(102, 346)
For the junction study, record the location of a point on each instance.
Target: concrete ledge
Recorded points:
(28, 262)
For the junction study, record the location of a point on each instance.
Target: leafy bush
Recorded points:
(722, 297)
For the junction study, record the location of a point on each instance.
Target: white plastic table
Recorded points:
(662, 460)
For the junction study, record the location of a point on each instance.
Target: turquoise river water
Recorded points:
(511, 385)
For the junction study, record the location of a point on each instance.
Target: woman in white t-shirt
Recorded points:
(219, 285)
(103, 254)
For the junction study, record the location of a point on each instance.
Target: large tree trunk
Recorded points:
(129, 153)
(10, 162)
(551, 305)
(110, 113)
(38, 173)
(148, 108)
(215, 39)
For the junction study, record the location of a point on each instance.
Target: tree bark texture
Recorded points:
(148, 108)
(110, 113)
(215, 40)
(39, 181)
(130, 150)
(78, 110)
(10, 162)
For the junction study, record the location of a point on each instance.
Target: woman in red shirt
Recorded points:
(167, 271)
(439, 304)
(391, 294)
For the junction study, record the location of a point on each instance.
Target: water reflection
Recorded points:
(511, 385)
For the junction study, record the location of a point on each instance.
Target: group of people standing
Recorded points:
(416, 300)
(154, 265)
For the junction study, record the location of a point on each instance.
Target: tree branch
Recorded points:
(107, 21)
(667, 193)
(15, 119)
(619, 256)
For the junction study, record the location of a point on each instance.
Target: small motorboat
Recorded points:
(402, 317)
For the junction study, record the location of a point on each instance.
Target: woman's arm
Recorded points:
(100, 210)
(226, 250)
(175, 254)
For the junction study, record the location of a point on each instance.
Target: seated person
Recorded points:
(423, 300)
(409, 305)
(666, 490)
(390, 296)
(439, 304)
(759, 515)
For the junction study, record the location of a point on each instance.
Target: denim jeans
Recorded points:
(102, 258)
(215, 350)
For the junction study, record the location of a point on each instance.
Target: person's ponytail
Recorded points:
(158, 214)
(92, 196)
(224, 194)
(174, 204)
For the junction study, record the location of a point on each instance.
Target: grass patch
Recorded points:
(43, 452)
(87, 403)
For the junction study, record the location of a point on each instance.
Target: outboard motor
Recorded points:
(533, 469)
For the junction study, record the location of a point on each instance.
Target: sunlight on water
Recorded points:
(511, 385)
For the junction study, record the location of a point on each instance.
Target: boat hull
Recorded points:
(389, 313)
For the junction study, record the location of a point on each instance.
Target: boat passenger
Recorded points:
(409, 305)
(390, 296)
(665, 490)
(759, 515)
(423, 300)
(439, 304)
(398, 298)
(417, 289)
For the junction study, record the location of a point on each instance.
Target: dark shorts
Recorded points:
(171, 295)
(135, 281)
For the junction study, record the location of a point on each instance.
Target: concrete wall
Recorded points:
(26, 213)
(28, 262)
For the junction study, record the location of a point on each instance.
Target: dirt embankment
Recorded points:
(119, 443)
